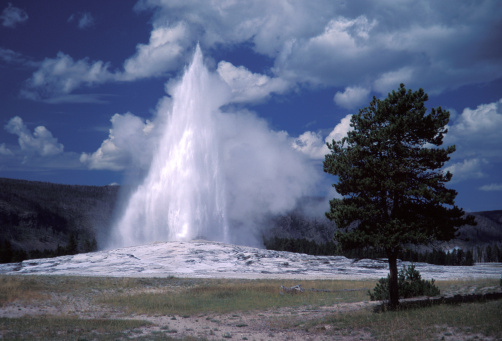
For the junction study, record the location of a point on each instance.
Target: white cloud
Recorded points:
(83, 20)
(340, 130)
(467, 169)
(485, 120)
(247, 86)
(326, 43)
(129, 144)
(57, 78)
(61, 75)
(11, 16)
(9, 56)
(390, 80)
(477, 132)
(314, 146)
(311, 144)
(491, 187)
(476, 136)
(351, 97)
(4, 150)
(41, 142)
(12, 57)
(164, 52)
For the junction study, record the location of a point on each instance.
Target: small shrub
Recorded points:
(410, 284)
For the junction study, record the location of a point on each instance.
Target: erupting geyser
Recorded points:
(182, 196)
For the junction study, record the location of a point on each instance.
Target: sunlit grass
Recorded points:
(222, 296)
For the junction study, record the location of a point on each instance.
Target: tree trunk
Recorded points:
(393, 287)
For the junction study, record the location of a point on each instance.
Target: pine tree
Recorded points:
(390, 176)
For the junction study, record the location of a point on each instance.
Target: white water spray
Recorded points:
(183, 195)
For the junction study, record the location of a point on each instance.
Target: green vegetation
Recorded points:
(410, 284)
(389, 170)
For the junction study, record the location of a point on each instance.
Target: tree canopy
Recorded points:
(391, 178)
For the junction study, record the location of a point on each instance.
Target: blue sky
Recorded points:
(82, 82)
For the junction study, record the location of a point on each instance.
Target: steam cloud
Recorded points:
(213, 174)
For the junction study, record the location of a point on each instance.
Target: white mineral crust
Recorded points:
(205, 259)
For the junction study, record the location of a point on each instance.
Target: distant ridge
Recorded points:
(42, 215)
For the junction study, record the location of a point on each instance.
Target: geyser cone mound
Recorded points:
(182, 197)
(220, 260)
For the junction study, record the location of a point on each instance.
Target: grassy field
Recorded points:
(87, 308)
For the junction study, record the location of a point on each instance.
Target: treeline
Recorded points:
(8, 254)
(489, 253)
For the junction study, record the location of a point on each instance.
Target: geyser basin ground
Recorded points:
(205, 259)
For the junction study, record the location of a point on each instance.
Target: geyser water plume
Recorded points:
(213, 175)
(183, 194)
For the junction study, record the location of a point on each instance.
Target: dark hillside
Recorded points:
(487, 231)
(40, 215)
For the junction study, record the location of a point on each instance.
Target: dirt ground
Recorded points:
(273, 324)
(254, 325)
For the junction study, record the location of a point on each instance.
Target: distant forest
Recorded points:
(40, 219)
(488, 253)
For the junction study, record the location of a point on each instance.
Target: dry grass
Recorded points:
(466, 321)
(223, 296)
(468, 286)
(68, 328)
(174, 296)
(20, 289)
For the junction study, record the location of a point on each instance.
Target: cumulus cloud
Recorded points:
(83, 20)
(164, 52)
(476, 135)
(485, 121)
(61, 75)
(373, 47)
(128, 145)
(313, 145)
(477, 132)
(247, 86)
(56, 78)
(351, 97)
(12, 16)
(39, 142)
